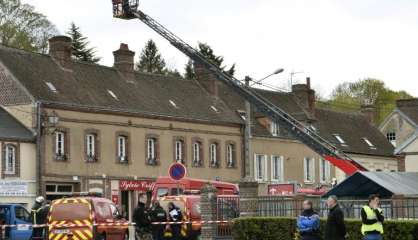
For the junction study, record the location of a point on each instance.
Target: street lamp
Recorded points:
(279, 70)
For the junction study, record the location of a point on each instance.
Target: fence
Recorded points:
(227, 209)
(403, 208)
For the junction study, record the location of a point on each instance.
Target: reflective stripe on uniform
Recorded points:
(371, 215)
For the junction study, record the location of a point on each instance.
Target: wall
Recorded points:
(25, 113)
(27, 176)
(411, 158)
(137, 128)
(373, 163)
(402, 128)
(293, 153)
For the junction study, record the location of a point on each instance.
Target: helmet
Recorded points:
(40, 199)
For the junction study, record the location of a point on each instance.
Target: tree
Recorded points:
(80, 48)
(208, 52)
(24, 28)
(150, 60)
(351, 96)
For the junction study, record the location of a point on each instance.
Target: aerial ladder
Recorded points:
(129, 9)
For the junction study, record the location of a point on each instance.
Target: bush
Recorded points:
(275, 228)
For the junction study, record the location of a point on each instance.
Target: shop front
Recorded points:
(18, 191)
(126, 193)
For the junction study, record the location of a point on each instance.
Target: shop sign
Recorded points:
(13, 188)
(282, 189)
(136, 185)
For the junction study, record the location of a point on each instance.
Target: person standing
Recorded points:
(158, 214)
(372, 219)
(141, 219)
(308, 222)
(335, 227)
(38, 217)
(175, 215)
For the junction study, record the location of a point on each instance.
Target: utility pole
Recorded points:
(247, 138)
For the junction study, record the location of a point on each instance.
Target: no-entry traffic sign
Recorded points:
(177, 171)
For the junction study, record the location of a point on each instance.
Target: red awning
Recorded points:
(347, 166)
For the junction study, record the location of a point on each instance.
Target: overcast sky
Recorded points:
(332, 41)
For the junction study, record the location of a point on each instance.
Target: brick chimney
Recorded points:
(369, 112)
(305, 95)
(60, 49)
(410, 102)
(207, 79)
(124, 59)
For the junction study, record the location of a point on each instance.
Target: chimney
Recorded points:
(410, 102)
(369, 112)
(60, 49)
(124, 59)
(208, 80)
(305, 95)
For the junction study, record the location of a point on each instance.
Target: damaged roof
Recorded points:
(96, 86)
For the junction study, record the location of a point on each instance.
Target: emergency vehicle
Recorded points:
(86, 218)
(165, 186)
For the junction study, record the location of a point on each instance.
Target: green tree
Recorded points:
(351, 96)
(208, 52)
(80, 46)
(150, 60)
(24, 28)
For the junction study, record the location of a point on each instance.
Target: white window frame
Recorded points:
(391, 137)
(263, 165)
(196, 152)
(91, 145)
(274, 129)
(60, 143)
(151, 151)
(122, 155)
(213, 154)
(230, 155)
(325, 177)
(273, 169)
(179, 146)
(10, 164)
(311, 169)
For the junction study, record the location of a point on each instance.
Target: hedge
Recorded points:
(275, 228)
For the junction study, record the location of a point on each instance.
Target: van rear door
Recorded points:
(70, 218)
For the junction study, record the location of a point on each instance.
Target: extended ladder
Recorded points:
(127, 9)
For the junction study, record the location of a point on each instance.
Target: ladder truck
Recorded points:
(129, 9)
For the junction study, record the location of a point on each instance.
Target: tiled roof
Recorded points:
(93, 85)
(12, 129)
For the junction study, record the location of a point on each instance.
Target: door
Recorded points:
(22, 218)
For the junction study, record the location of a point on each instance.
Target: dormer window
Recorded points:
(173, 104)
(214, 109)
(242, 114)
(274, 129)
(391, 136)
(369, 143)
(51, 87)
(111, 93)
(340, 139)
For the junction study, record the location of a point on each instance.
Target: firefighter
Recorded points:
(372, 219)
(175, 215)
(39, 216)
(142, 219)
(158, 214)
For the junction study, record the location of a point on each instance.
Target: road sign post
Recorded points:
(177, 172)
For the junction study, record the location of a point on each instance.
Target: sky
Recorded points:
(330, 41)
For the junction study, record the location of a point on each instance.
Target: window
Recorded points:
(214, 109)
(325, 172)
(340, 139)
(122, 147)
(173, 104)
(111, 93)
(91, 147)
(274, 128)
(214, 155)
(151, 150)
(230, 155)
(260, 167)
(391, 136)
(370, 144)
(179, 150)
(276, 168)
(10, 159)
(51, 87)
(60, 145)
(309, 170)
(22, 214)
(197, 154)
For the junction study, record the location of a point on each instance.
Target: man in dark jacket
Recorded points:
(158, 214)
(335, 228)
(141, 219)
(39, 215)
(308, 222)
